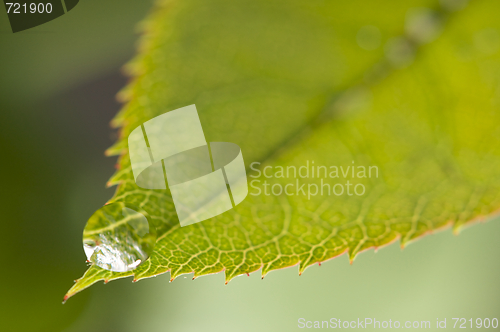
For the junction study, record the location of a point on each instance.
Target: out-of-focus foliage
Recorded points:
(415, 93)
(52, 138)
(91, 41)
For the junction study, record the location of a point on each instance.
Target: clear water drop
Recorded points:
(118, 238)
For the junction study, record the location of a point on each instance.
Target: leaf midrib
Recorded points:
(325, 114)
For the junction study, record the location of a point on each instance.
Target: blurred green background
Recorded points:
(57, 95)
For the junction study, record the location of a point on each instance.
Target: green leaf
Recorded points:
(289, 83)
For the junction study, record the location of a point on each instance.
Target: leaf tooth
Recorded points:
(196, 275)
(90, 277)
(116, 149)
(302, 269)
(125, 94)
(457, 228)
(403, 241)
(304, 263)
(117, 178)
(231, 274)
(134, 68)
(120, 119)
(177, 272)
(352, 255)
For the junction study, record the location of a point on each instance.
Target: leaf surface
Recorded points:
(289, 83)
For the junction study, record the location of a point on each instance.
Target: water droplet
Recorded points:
(118, 238)
(423, 25)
